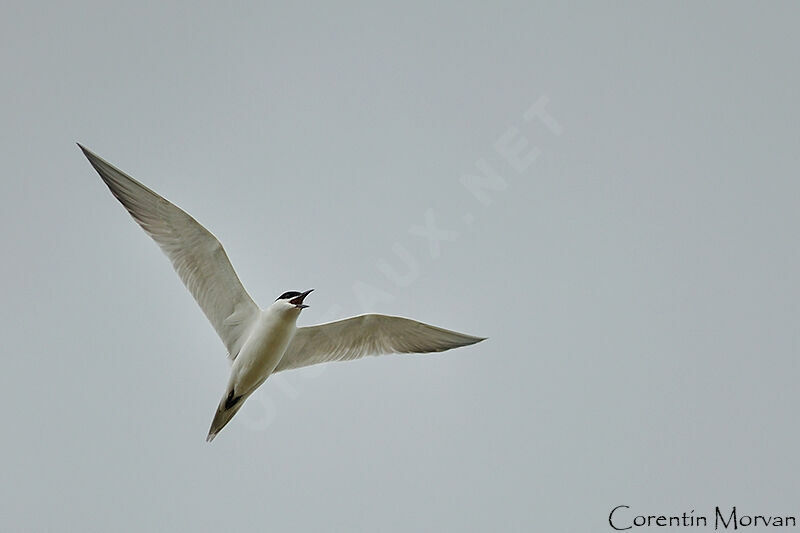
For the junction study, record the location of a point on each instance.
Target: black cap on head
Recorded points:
(295, 298)
(287, 295)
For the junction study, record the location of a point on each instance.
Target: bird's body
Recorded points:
(260, 341)
(263, 349)
(267, 340)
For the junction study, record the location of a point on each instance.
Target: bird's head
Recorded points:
(292, 300)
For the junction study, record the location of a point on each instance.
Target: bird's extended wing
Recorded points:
(359, 336)
(196, 255)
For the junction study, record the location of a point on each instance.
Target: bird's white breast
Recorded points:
(261, 353)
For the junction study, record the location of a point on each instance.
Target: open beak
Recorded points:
(298, 300)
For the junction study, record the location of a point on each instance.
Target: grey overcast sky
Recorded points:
(630, 249)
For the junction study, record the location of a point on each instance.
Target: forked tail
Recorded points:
(228, 407)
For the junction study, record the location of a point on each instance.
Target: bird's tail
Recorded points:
(228, 407)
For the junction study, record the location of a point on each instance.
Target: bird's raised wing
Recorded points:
(196, 255)
(359, 336)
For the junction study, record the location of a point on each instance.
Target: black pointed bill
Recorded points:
(297, 301)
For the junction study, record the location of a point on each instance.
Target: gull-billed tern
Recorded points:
(260, 341)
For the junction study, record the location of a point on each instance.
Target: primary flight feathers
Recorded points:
(260, 342)
(196, 255)
(355, 337)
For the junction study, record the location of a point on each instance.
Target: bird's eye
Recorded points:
(287, 295)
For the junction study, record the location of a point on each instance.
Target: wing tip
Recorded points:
(474, 340)
(93, 158)
(85, 150)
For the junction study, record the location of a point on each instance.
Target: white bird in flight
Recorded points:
(260, 342)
